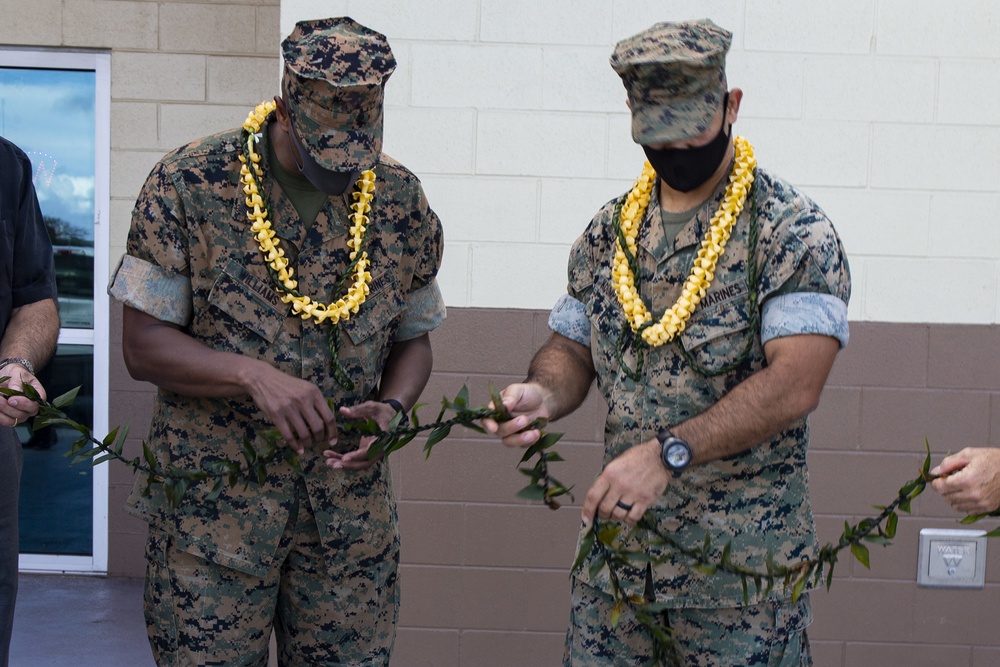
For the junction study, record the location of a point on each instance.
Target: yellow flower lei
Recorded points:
(703, 270)
(274, 255)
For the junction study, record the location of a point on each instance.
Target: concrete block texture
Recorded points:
(150, 76)
(479, 76)
(528, 22)
(786, 25)
(462, 203)
(929, 28)
(969, 152)
(541, 143)
(32, 23)
(871, 89)
(208, 28)
(111, 24)
(246, 80)
(442, 20)
(522, 268)
(915, 285)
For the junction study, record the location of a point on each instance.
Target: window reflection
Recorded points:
(75, 282)
(56, 497)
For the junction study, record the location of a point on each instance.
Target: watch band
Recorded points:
(670, 441)
(398, 407)
(18, 360)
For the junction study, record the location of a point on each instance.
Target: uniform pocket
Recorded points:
(249, 301)
(383, 304)
(790, 644)
(717, 336)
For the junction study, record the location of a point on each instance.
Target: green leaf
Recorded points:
(463, 396)
(586, 546)
(216, 491)
(532, 492)
(993, 533)
(147, 453)
(249, 453)
(437, 435)
(800, 586)
(890, 525)
(413, 415)
(101, 459)
(608, 533)
(500, 411)
(926, 468)
(860, 552)
(66, 399)
(616, 613)
(531, 451)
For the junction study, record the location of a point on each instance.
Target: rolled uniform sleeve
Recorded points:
(569, 318)
(425, 311)
(154, 274)
(425, 308)
(148, 288)
(804, 313)
(805, 281)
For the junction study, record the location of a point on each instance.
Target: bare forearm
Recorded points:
(407, 370)
(764, 404)
(161, 353)
(32, 333)
(565, 370)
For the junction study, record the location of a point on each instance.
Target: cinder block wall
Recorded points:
(885, 111)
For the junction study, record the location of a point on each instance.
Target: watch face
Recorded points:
(678, 456)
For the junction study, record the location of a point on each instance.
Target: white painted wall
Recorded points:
(887, 112)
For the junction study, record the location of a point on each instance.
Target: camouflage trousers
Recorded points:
(201, 613)
(771, 634)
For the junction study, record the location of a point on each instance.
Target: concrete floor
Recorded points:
(63, 621)
(74, 621)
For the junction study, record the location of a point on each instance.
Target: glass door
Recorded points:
(55, 105)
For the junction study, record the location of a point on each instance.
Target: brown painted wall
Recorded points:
(485, 578)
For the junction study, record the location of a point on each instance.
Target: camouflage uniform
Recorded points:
(324, 545)
(756, 500)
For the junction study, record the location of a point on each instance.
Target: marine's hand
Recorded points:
(634, 481)
(296, 407)
(18, 409)
(970, 480)
(358, 459)
(525, 402)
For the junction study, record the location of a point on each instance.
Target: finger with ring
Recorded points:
(624, 506)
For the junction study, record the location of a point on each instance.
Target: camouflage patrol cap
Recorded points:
(332, 85)
(675, 75)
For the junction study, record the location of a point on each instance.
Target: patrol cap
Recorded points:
(333, 88)
(675, 75)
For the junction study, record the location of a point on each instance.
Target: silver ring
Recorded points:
(621, 505)
(15, 422)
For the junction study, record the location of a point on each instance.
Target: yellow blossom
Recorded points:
(274, 255)
(674, 320)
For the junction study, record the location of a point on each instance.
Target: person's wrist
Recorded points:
(20, 361)
(398, 407)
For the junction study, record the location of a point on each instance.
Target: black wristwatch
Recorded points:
(674, 452)
(405, 419)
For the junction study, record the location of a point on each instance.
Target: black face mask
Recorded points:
(325, 180)
(685, 169)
